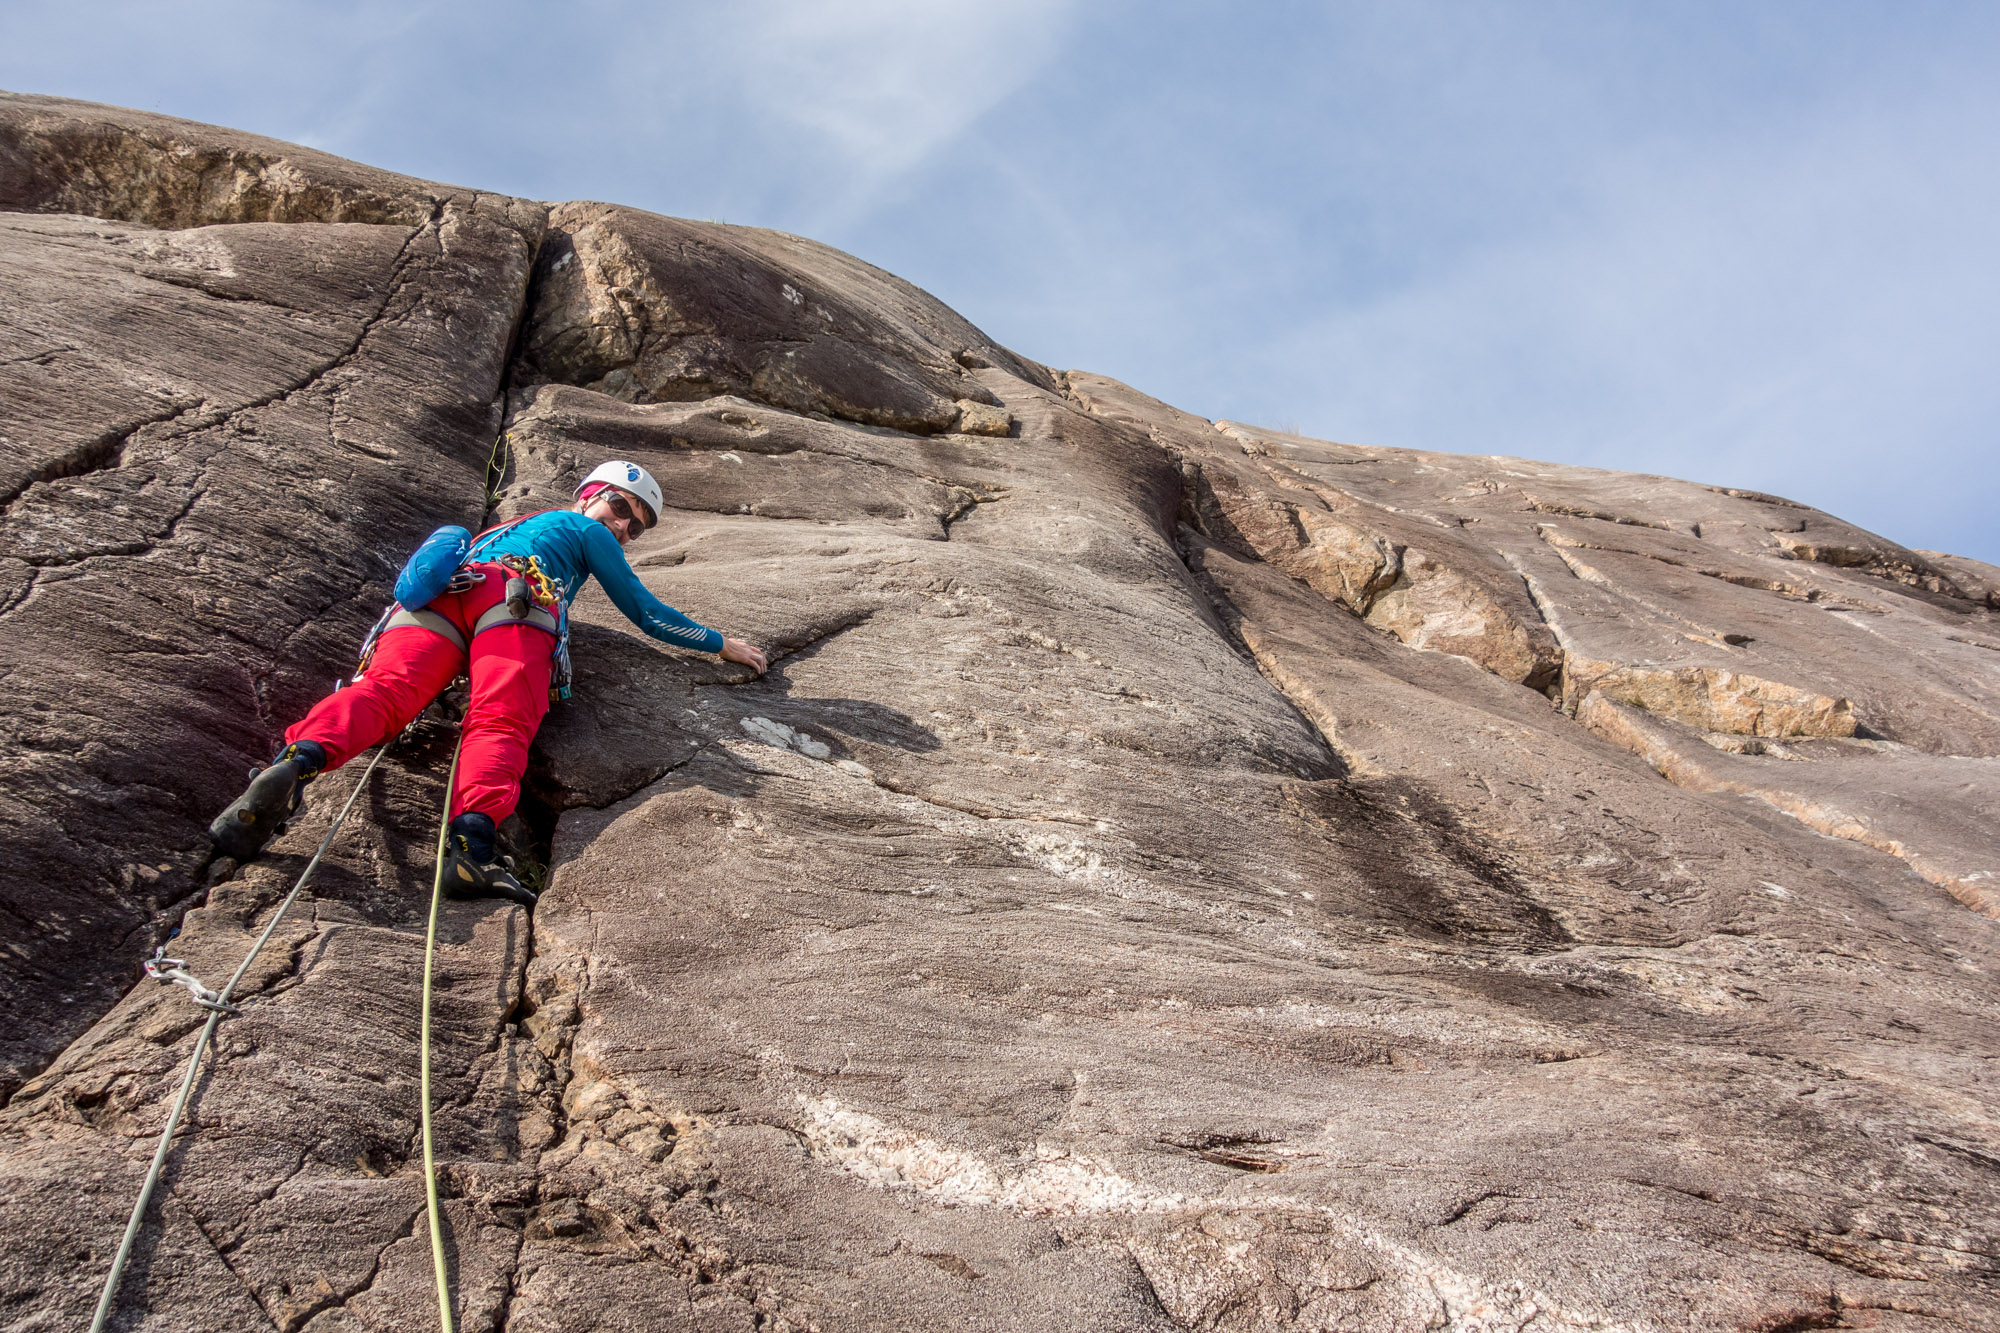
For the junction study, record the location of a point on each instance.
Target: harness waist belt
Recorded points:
(501, 614)
(497, 615)
(429, 620)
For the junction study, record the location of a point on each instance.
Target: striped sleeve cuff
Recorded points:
(690, 635)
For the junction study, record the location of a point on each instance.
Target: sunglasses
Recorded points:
(623, 510)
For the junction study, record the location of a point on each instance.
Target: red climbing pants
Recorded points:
(510, 670)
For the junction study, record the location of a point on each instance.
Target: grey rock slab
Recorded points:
(1976, 577)
(1904, 667)
(1936, 812)
(208, 488)
(1004, 960)
(987, 1051)
(1445, 487)
(1690, 601)
(653, 309)
(1158, 885)
(1527, 783)
(1411, 572)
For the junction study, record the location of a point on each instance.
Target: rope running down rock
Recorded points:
(201, 1045)
(424, 1042)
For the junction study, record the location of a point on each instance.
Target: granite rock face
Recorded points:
(224, 360)
(651, 309)
(1174, 876)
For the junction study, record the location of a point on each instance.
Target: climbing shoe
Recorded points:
(473, 866)
(272, 798)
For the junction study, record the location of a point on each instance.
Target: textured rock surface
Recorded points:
(202, 410)
(1173, 877)
(653, 309)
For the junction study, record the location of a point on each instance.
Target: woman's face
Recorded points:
(618, 511)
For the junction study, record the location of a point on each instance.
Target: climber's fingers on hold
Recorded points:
(736, 650)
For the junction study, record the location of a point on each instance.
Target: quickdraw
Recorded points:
(218, 1006)
(173, 972)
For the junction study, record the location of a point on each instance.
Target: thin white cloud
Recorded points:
(885, 82)
(1775, 309)
(752, 108)
(875, 87)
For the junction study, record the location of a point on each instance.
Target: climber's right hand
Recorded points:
(736, 650)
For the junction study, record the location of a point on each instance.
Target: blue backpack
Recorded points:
(427, 572)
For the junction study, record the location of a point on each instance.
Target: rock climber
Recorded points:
(502, 619)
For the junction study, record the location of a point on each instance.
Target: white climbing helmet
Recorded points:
(632, 478)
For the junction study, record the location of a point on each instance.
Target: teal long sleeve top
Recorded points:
(572, 548)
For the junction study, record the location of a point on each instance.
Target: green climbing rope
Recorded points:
(424, 1038)
(201, 1045)
(498, 460)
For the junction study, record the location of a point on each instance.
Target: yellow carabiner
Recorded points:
(544, 587)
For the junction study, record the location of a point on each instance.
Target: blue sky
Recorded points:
(1747, 244)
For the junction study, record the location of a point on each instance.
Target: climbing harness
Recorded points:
(424, 1067)
(218, 1006)
(533, 597)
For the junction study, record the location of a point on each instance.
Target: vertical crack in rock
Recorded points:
(1136, 927)
(1300, 701)
(157, 481)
